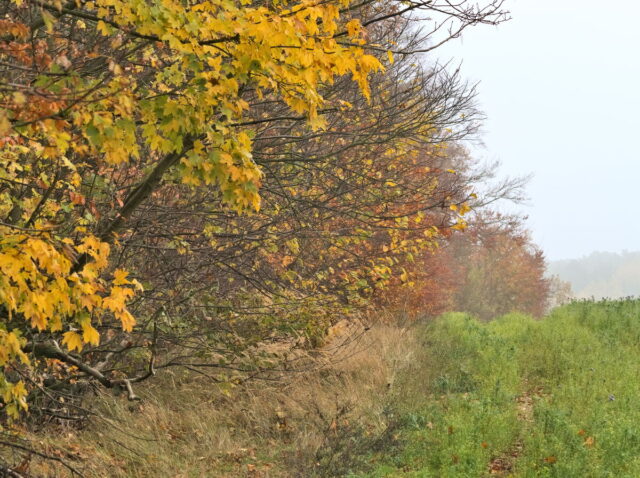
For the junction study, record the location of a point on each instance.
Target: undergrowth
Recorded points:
(441, 399)
(322, 418)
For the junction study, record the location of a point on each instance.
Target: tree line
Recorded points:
(182, 182)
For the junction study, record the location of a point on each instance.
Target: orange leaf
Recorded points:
(77, 199)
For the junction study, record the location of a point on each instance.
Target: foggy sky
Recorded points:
(560, 86)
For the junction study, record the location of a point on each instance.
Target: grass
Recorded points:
(454, 397)
(579, 368)
(319, 422)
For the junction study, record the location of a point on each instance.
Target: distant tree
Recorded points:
(436, 276)
(502, 270)
(560, 292)
(601, 274)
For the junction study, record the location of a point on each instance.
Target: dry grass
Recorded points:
(301, 423)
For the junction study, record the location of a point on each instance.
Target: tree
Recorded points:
(119, 117)
(434, 277)
(560, 292)
(502, 270)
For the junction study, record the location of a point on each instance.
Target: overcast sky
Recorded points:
(560, 84)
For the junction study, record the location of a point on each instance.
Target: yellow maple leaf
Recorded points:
(72, 340)
(89, 334)
(127, 320)
(117, 299)
(120, 277)
(354, 27)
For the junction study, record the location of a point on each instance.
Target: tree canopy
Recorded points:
(183, 180)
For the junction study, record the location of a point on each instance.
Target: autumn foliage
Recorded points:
(184, 182)
(502, 271)
(490, 270)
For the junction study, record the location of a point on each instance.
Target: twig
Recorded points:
(41, 455)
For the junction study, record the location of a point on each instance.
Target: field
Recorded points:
(519, 397)
(450, 397)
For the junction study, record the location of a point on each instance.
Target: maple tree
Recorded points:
(194, 131)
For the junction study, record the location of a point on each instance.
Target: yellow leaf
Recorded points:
(48, 20)
(353, 27)
(137, 285)
(293, 246)
(103, 28)
(19, 98)
(465, 208)
(120, 277)
(89, 334)
(72, 340)
(5, 124)
(117, 299)
(127, 320)
(390, 55)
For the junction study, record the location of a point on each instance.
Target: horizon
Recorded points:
(589, 254)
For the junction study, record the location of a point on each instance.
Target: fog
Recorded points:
(601, 274)
(559, 87)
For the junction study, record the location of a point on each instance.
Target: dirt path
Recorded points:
(504, 464)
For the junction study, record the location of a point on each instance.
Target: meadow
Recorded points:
(445, 397)
(521, 397)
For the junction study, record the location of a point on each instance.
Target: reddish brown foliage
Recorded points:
(491, 269)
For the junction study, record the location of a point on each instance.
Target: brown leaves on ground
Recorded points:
(504, 464)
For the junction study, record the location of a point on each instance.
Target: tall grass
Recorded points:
(321, 420)
(453, 397)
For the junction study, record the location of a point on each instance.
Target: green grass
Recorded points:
(458, 406)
